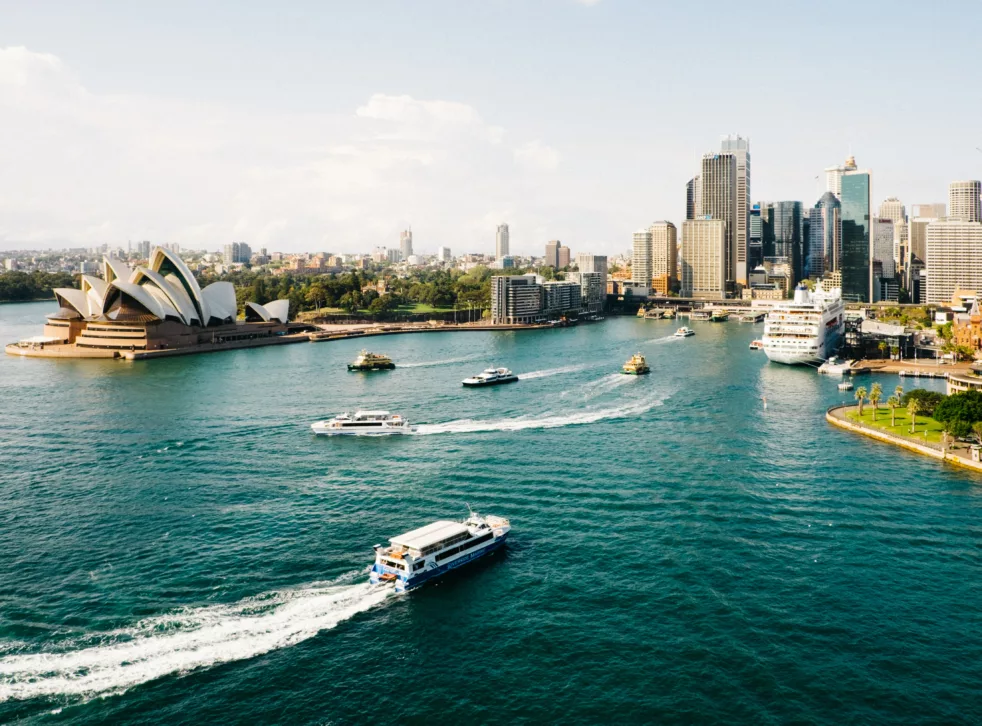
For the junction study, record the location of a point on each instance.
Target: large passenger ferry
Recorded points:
(363, 423)
(425, 553)
(806, 330)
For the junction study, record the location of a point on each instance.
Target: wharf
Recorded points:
(343, 332)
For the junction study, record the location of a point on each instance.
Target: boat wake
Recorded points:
(603, 385)
(109, 663)
(521, 423)
(426, 364)
(663, 340)
(549, 372)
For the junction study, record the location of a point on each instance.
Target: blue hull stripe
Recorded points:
(416, 580)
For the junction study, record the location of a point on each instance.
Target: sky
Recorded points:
(331, 126)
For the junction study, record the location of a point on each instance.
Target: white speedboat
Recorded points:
(684, 332)
(363, 423)
(428, 552)
(491, 377)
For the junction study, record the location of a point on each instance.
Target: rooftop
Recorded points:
(423, 537)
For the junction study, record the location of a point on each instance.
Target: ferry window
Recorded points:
(419, 566)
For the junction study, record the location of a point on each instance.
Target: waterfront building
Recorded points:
(719, 196)
(834, 174)
(824, 236)
(857, 272)
(704, 259)
(664, 256)
(443, 254)
(560, 296)
(954, 258)
(593, 289)
(893, 209)
(740, 148)
(501, 248)
(693, 197)
(641, 265)
(515, 299)
(965, 200)
(405, 245)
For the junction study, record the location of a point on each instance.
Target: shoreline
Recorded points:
(836, 415)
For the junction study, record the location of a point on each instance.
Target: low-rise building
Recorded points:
(515, 299)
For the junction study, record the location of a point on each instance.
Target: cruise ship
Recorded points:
(423, 554)
(806, 330)
(363, 423)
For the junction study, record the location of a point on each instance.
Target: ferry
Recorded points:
(371, 362)
(636, 366)
(684, 332)
(491, 377)
(806, 330)
(363, 423)
(756, 345)
(719, 316)
(423, 554)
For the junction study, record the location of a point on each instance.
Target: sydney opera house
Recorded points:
(150, 311)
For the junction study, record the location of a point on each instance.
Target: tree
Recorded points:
(927, 400)
(895, 351)
(899, 393)
(977, 430)
(883, 347)
(875, 394)
(913, 408)
(894, 403)
(966, 406)
(861, 397)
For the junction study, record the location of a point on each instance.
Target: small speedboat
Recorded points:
(363, 423)
(491, 377)
(756, 345)
(636, 366)
(684, 332)
(846, 386)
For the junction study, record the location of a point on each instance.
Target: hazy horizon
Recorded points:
(329, 127)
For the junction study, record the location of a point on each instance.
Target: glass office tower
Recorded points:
(857, 279)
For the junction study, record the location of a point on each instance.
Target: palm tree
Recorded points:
(894, 403)
(899, 393)
(913, 408)
(875, 394)
(883, 347)
(861, 397)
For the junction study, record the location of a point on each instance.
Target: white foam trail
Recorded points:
(659, 341)
(549, 372)
(470, 426)
(183, 641)
(424, 364)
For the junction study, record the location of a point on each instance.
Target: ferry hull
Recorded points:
(356, 432)
(405, 585)
(500, 381)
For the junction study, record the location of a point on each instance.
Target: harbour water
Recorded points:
(177, 546)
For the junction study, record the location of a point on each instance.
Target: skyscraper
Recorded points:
(892, 209)
(954, 258)
(740, 148)
(704, 258)
(693, 197)
(551, 258)
(592, 263)
(664, 256)
(719, 196)
(755, 241)
(856, 268)
(501, 242)
(833, 176)
(965, 200)
(562, 255)
(824, 236)
(406, 243)
(641, 259)
(883, 234)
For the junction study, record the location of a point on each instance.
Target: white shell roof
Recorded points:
(423, 537)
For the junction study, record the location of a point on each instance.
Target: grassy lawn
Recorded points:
(424, 308)
(902, 428)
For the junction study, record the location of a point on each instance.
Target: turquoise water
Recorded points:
(177, 547)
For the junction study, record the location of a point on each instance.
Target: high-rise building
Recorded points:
(559, 296)
(235, 253)
(965, 200)
(551, 259)
(693, 197)
(664, 256)
(954, 258)
(936, 210)
(562, 255)
(501, 242)
(515, 299)
(833, 176)
(857, 273)
(406, 243)
(704, 258)
(893, 209)
(883, 234)
(740, 148)
(719, 197)
(916, 257)
(143, 250)
(824, 236)
(786, 231)
(586, 262)
(641, 259)
(755, 241)
(443, 254)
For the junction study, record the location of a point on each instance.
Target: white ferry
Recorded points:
(684, 332)
(806, 330)
(491, 377)
(363, 423)
(425, 553)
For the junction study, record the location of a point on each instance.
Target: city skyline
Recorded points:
(221, 145)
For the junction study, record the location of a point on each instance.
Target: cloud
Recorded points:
(82, 168)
